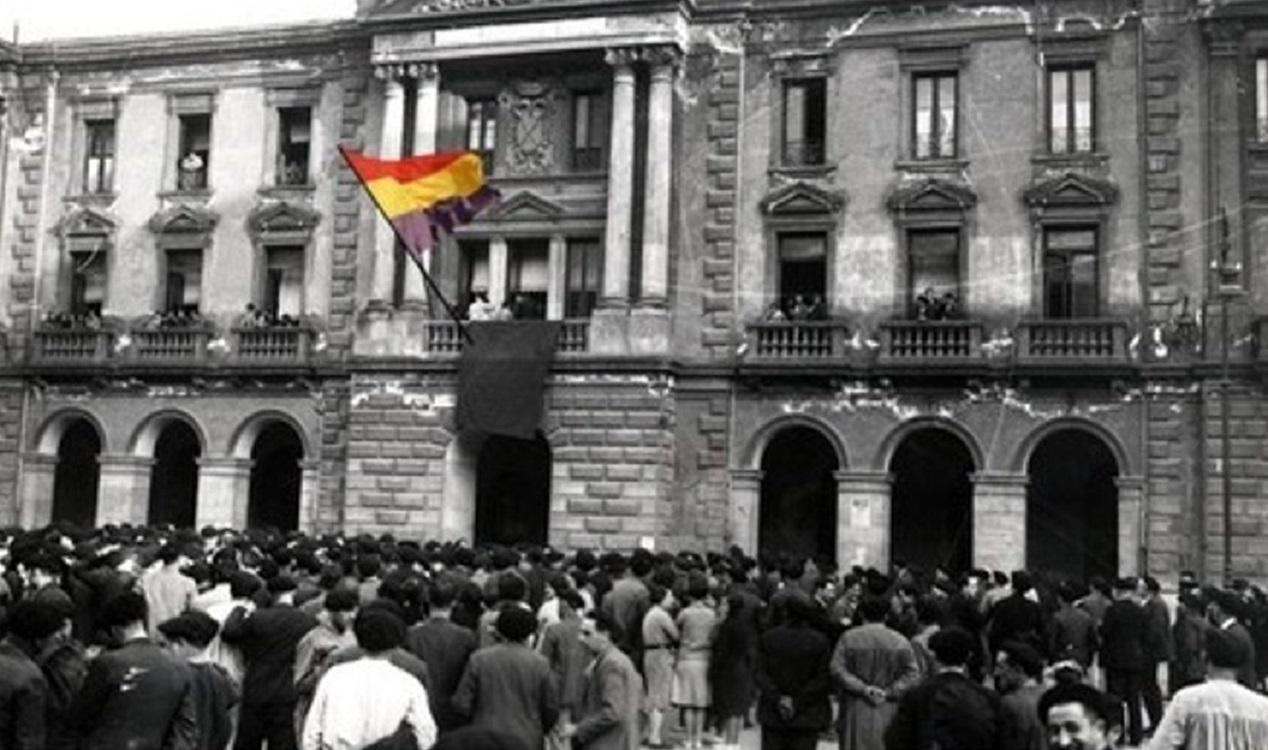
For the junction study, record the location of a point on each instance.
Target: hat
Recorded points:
(516, 623)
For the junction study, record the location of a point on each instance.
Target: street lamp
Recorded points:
(1229, 288)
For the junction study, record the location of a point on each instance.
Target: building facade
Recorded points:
(875, 281)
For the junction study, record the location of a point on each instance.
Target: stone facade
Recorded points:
(668, 396)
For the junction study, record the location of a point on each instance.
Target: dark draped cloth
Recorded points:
(502, 376)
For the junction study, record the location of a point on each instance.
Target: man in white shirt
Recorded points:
(367, 700)
(1219, 714)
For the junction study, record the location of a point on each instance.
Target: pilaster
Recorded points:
(38, 473)
(224, 489)
(123, 494)
(745, 507)
(863, 517)
(999, 521)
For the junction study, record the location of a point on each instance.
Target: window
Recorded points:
(184, 281)
(583, 278)
(195, 151)
(1071, 109)
(933, 132)
(295, 129)
(527, 275)
(1261, 99)
(482, 126)
(587, 131)
(474, 255)
(1069, 272)
(933, 279)
(98, 156)
(805, 115)
(803, 275)
(283, 282)
(87, 282)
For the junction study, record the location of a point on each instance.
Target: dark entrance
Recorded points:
(276, 478)
(1072, 507)
(798, 511)
(174, 478)
(77, 475)
(513, 491)
(931, 524)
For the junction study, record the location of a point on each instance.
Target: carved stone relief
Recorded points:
(530, 107)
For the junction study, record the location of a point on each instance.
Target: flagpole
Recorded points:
(431, 284)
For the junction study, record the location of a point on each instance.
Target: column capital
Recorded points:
(746, 476)
(622, 58)
(662, 59)
(120, 461)
(417, 69)
(999, 479)
(1130, 484)
(224, 463)
(863, 477)
(40, 459)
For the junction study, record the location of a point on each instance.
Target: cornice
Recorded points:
(200, 46)
(396, 21)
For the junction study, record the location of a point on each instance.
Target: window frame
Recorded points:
(515, 273)
(488, 126)
(182, 141)
(263, 288)
(1068, 68)
(956, 228)
(1097, 231)
(595, 254)
(466, 271)
(787, 83)
(280, 178)
(779, 234)
(103, 185)
(588, 157)
(168, 273)
(1259, 106)
(935, 75)
(98, 255)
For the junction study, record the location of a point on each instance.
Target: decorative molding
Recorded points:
(800, 199)
(661, 57)
(1071, 189)
(282, 218)
(530, 108)
(87, 221)
(184, 219)
(525, 205)
(621, 57)
(931, 194)
(416, 69)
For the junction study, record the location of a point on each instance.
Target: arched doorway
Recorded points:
(174, 478)
(1072, 506)
(512, 491)
(798, 510)
(77, 475)
(276, 478)
(931, 517)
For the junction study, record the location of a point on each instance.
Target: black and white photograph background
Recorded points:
(620, 374)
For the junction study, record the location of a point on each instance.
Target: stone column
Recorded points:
(497, 270)
(426, 116)
(38, 472)
(1132, 521)
(745, 508)
(649, 320)
(309, 491)
(999, 521)
(556, 277)
(609, 325)
(224, 489)
(863, 510)
(123, 496)
(390, 142)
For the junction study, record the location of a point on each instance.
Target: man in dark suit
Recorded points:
(1123, 654)
(445, 648)
(948, 711)
(268, 638)
(1072, 631)
(32, 627)
(1223, 609)
(137, 695)
(1017, 618)
(1158, 646)
(794, 681)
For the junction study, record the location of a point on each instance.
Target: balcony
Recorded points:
(1072, 342)
(271, 346)
(443, 337)
(169, 346)
(933, 342)
(795, 341)
(71, 346)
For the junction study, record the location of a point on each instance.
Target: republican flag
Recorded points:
(424, 195)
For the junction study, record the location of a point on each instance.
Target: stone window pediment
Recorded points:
(184, 220)
(801, 199)
(1071, 190)
(282, 218)
(87, 221)
(931, 195)
(526, 206)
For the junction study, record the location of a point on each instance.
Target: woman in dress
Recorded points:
(691, 673)
(731, 670)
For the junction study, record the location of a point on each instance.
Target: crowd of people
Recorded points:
(129, 637)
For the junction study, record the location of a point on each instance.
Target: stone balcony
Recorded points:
(1073, 343)
(444, 338)
(170, 348)
(798, 341)
(920, 342)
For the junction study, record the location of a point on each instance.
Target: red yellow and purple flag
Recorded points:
(424, 195)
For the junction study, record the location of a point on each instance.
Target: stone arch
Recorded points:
(49, 436)
(756, 448)
(147, 433)
(1021, 459)
(885, 451)
(242, 440)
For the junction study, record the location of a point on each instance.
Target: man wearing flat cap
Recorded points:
(508, 687)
